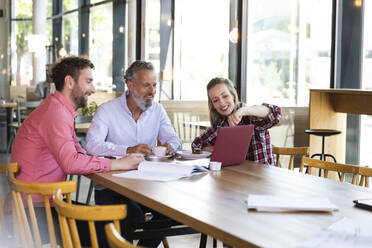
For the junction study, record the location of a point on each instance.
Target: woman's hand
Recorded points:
(208, 148)
(235, 118)
(259, 111)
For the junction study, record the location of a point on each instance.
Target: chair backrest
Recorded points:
(68, 213)
(292, 151)
(364, 173)
(5, 168)
(25, 105)
(181, 112)
(21, 192)
(330, 166)
(114, 239)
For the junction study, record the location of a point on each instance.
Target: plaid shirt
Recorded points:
(260, 149)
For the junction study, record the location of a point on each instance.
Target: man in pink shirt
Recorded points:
(46, 148)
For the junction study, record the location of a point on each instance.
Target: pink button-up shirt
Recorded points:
(46, 147)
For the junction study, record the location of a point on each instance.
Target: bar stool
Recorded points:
(323, 133)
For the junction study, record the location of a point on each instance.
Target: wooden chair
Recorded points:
(364, 173)
(68, 213)
(21, 192)
(330, 166)
(114, 238)
(181, 113)
(5, 168)
(292, 151)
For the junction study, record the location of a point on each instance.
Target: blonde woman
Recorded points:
(226, 110)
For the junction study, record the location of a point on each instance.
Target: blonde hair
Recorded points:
(214, 116)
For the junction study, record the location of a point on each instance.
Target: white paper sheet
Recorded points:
(271, 203)
(346, 233)
(162, 171)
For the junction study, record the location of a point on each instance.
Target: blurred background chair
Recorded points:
(292, 152)
(323, 133)
(23, 110)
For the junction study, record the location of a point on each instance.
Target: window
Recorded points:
(21, 27)
(100, 45)
(152, 49)
(289, 43)
(70, 4)
(201, 46)
(69, 38)
(21, 57)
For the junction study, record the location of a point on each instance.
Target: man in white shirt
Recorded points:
(131, 123)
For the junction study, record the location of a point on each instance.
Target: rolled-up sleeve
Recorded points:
(269, 121)
(59, 136)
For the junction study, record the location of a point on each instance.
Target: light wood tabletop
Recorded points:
(214, 203)
(82, 127)
(8, 104)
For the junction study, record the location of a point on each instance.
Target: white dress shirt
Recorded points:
(113, 129)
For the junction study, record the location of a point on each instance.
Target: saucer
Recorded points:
(189, 155)
(150, 157)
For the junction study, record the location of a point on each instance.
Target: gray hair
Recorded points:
(135, 67)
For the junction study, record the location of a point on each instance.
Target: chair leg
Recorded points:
(165, 242)
(203, 241)
(89, 192)
(214, 243)
(11, 140)
(9, 149)
(78, 188)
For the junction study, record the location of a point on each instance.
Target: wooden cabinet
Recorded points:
(328, 109)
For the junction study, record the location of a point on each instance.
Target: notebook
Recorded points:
(232, 144)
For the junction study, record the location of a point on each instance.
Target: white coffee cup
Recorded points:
(215, 166)
(159, 151)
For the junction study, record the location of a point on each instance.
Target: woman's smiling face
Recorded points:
(222, 99)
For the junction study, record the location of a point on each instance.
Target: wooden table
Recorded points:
(82, 127)
(214, 203)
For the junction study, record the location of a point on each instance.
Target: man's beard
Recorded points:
(78, 97)
(141, 103)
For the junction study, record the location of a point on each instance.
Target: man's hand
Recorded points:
(130, 162)
(141, 148)
(169, 149)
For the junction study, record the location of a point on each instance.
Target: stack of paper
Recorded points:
(272, 203)
(162, 171)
